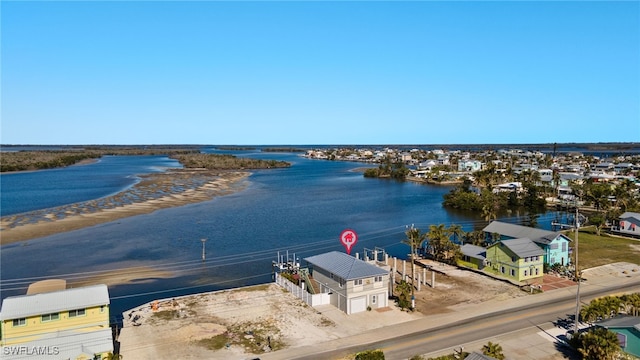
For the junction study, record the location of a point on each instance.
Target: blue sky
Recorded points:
(224, 72)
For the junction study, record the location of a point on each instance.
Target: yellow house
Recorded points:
(64, 324)
(520, 260)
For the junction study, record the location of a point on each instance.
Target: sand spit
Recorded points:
(154, 191)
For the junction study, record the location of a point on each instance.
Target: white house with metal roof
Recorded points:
(354, 285)
(69, 323)
(628, 224)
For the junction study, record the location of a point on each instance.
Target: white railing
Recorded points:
(300, 293)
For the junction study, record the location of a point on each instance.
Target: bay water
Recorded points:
(299, 210)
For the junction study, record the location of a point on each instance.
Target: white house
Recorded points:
(353, 285)
(469, 165)
(628, 224)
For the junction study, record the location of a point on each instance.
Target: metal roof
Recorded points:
(621, 321)
(630, 215)
(523, 247)
(477, 356)
(66, 344)
(16, 307)
(345, 266)
(473, 251)
(519, 231)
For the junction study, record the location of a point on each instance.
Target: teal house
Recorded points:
(554, 244)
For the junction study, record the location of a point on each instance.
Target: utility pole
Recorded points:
(203, 252)
(577, 273)
(412, 240)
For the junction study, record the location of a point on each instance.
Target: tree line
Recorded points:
(226, 162)
(188, 157)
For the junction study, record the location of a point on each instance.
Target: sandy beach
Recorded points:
(154, 191)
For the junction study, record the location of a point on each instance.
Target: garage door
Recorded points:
(358, 304)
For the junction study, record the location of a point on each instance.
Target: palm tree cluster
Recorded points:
(610, 306)
(438, 241)
(597, 344)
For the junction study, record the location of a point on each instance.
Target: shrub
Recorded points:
(370, 355)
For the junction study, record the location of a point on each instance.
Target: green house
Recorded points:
(518, 260)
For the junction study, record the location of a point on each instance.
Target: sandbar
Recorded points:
(154, 191)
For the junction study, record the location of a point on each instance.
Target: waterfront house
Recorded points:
(555, 245)
(473, 256)
(628, 224)
(66, 324)
(353, 285)
(469, 165)
(518, 260)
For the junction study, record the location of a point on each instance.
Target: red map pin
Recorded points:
(348, 238)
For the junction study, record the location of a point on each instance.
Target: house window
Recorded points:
(77, 312)
(513, 259)
(564, 246)
(374, 298)
(101, 308)
(50, 317)
(513, 272)
(20, 322)
(357, 282)
(526, 273)
(341, 283)
(537, 271)
(553, 246)
(502, 269)
(526, 259)
(378, 279)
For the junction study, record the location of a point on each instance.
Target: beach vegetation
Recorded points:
(226, 162)
(389, 169)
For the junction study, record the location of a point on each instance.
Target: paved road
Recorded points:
(439, 334)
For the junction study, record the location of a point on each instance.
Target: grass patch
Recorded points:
(263, 287)
(594, 250)
(253, 337)
(214, 343)
(165, 315)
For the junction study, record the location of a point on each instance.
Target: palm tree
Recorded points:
(456, 231)
(442, 248)
(493, 350)
(415, 238)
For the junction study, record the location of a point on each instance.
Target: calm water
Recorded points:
(301, 209)
(27, 191)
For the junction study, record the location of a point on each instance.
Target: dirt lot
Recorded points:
(456, 286)
(242, 322)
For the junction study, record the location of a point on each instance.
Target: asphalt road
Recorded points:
(536, 315)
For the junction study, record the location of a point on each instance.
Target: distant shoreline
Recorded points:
(155, 191)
